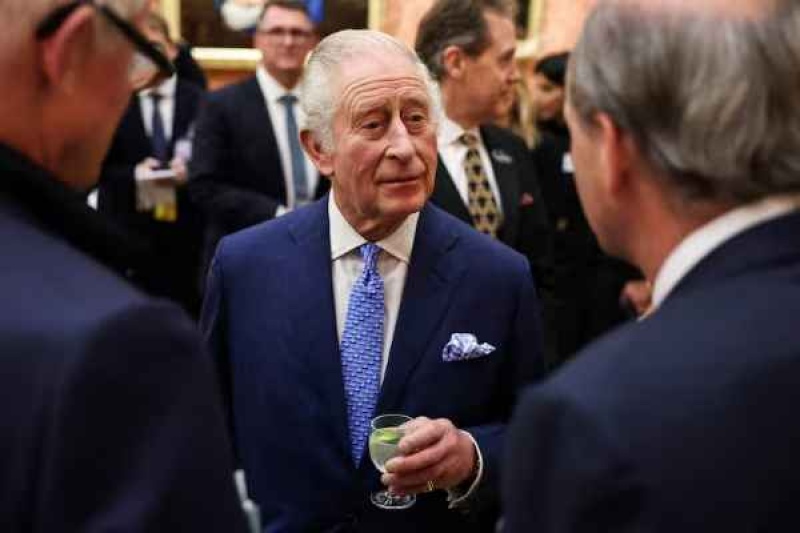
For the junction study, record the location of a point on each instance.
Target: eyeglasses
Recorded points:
(149, 66)
(279, 34)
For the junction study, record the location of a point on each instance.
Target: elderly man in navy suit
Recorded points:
(686, 142)
(371, 301)
(111, 419)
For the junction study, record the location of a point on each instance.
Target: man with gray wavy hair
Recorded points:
(111, 419)
(686, 141)
(371, 301)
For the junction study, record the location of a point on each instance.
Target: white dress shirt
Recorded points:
(704, 240)
(272, 92)
(453, 152)
(348, 265)
(166, 106)
(393, 261)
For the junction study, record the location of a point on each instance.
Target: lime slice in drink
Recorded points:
(387, 435)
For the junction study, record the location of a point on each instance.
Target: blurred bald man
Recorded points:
(686, 142)
(110, 417)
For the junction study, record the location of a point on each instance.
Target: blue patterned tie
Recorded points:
(362, 349)
(298, 161)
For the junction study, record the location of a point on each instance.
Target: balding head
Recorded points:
(706, 89)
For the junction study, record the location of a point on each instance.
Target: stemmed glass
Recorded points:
(386, 433)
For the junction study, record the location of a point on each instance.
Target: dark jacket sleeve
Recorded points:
(138, 432)
(564, 473)
(216, 159)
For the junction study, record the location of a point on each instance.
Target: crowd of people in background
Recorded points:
(579, 284)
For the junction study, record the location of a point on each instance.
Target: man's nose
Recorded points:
(514, 76)
(400, 145)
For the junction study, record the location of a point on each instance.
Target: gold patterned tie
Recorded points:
(481, 203)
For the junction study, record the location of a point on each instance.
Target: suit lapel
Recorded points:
(261, 133)
(137, 132)
(505, 174)
(312, 319)
(446, 195)
(182, 117)
(432, 276)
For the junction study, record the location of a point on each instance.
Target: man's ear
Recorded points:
(313, 147)
(64, 52)
(453, 59)
(617, 156)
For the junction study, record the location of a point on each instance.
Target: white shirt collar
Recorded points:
(166, 89)
(450, 132)
(270, 87)
(704, 240)
(345, 239)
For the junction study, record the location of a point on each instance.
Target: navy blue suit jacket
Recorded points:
(269, 317)
(685, 421)
(110, 419)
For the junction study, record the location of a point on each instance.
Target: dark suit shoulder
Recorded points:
(503, 136)
(484, 249)
(234, 92)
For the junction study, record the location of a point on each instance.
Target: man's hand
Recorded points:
(178, 165)
(431, 451)
(144, 167)
(637, 295)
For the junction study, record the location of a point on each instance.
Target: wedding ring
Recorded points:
(431, 486)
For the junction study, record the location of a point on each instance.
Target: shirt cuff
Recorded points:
(455, 495)
(281, 210)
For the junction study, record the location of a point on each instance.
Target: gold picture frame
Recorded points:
(238, 59)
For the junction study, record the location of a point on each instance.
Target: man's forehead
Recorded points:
(280, 15)
(369, 77)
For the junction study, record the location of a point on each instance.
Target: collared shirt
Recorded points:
(701, 242)
(166, 106)
(272, 92)
(453, 152)
(393, 268)
(348, 264)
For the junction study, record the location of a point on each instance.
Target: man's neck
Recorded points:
(287, 80)
(457, 107)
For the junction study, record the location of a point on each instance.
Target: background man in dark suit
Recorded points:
(110, 419)
(686, 142)
(155, 134)
(342, 310)
(248, 165)
(485, 176)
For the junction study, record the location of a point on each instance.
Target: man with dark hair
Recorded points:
(154, 139)
(686, 142)
(485, 175)
(248, 165)
(110, 420)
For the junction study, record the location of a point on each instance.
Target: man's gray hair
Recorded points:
(318, 96)
(711, 101)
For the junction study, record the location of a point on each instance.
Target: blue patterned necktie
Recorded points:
(296, 151)
(362, 349)
(158, 138)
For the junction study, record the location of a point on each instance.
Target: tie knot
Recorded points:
(469, 140)
(156, 96)
(288, 99)
(369, 253)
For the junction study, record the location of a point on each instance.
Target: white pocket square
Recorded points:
(464, 346)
